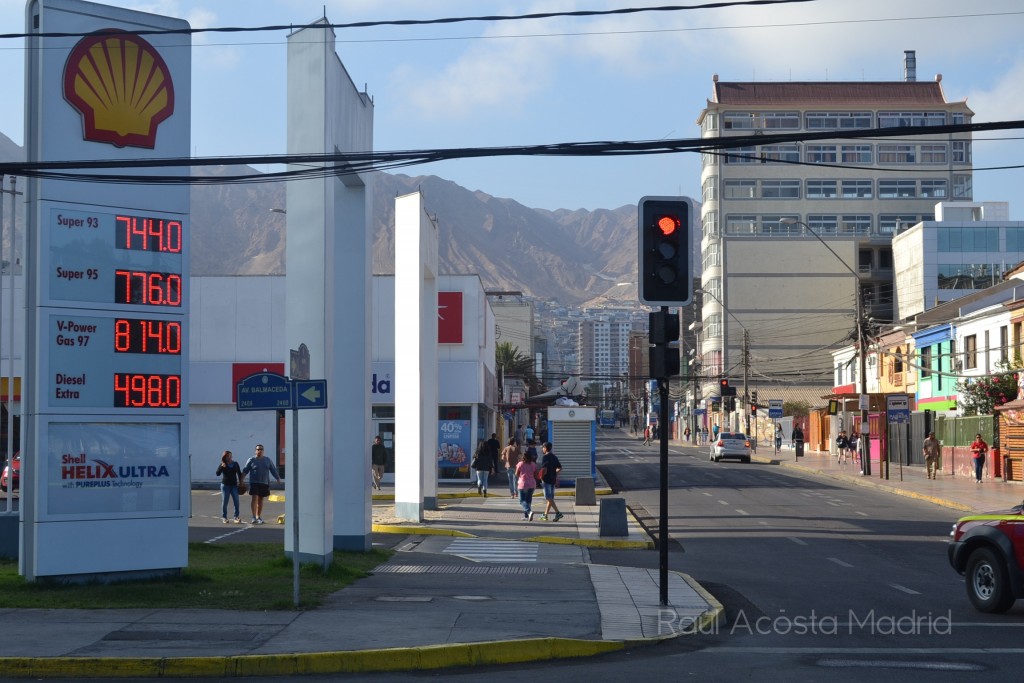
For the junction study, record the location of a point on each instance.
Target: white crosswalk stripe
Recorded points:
(486, 550)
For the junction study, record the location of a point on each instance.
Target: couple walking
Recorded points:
(528, 473)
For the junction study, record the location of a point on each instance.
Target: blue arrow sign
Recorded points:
(264, 391)
(310, 393)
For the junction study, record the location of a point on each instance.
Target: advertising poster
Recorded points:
(116, 468)
(454, 450)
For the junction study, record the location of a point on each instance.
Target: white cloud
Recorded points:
(1004, 100)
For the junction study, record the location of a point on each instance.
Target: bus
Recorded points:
(606, 419)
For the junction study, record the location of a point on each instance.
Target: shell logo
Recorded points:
(121, 86)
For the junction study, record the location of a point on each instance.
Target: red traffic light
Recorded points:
(668, 224)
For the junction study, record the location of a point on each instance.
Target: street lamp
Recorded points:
(746, 359)
(859, 322)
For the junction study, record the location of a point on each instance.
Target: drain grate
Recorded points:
(455, 569)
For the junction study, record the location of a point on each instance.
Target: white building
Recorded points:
(967, 248)
(762, 205)
(237, 328)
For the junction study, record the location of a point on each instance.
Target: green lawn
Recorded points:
(244, 576)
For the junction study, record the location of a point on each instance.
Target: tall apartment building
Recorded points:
(764, 270)
(603, 350)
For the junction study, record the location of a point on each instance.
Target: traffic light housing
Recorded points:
(753, 410)
(664, 361)
(664, 258)
(726, 389)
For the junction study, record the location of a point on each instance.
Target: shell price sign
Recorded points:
(106, 483)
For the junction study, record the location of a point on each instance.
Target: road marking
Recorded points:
(724, 502)
(763, 523)
(798, 541)
(706, 493)
(742, 512)
(892, 664)
(908, 591)
(839, 562)
(486, 550)
(862, 514)
(227, 535)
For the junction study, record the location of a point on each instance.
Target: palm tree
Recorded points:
(512, 361)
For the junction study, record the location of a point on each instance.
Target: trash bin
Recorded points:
(799, 445)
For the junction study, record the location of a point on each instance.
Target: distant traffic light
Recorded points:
(725, 386)
(753, 409)
(664, 258)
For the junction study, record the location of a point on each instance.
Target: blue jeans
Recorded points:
(226, 492)
(979, 465)
(512, 481)
(481, 478)
(526, 500)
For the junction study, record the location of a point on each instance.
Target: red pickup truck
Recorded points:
(988, 550)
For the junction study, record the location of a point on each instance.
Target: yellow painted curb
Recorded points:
(412, 529)
(606, 544)
(392, 659)
(276, 497)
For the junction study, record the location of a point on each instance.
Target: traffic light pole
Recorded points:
(746, 378)
(663, 493)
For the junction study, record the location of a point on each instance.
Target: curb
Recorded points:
(599, 543)
(868, 482)
(391, 659)
(604, 491)
(418, 530)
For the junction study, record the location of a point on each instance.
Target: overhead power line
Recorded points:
(342, 164)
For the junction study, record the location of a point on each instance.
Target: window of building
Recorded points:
(775, 120)
(1004, 344)
(961, 152)
(962, 186)
(785, 153)
(1014, 239)
(857, 189)
(738, 120)
(820, 154)
(971, 351)
(773, 225)
(855, 154)
(708, 159)
(780, 189)
(933, 154)
(822, 189)
(828, 120)
(892, 188)
(925, 361)
(935, 189)
(856, 224)
(896, 154)
(713, 288)
(823, 224)
(713, 322)
(903, 119)
(710, 123)
(897, 362)
(740, 224)
(885, 258)
(959, 118)
(966, 275)
(891, 224)
(740, 155)
(864, 260)
(709, 189)
(712, 256)
(958, 240)
(710, 224)
(740, 189)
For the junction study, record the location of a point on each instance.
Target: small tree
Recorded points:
(796, 408)
(981, 395)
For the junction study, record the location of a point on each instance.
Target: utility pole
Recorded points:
(865, 431)
(746, 379)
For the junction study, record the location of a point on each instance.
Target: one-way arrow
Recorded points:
(311, 394)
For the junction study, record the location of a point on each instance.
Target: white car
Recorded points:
(730, 445)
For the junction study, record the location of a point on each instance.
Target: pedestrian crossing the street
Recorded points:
(487, 550)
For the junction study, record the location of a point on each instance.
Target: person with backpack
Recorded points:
(549, 469)
(842, 443)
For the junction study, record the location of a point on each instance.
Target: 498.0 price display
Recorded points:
(136, 390)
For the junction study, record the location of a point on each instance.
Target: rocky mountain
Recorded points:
(572, 257)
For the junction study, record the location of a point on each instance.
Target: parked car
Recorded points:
(16, 477)
(730, 445)
(988, 550)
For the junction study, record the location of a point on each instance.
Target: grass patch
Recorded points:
(242, 576)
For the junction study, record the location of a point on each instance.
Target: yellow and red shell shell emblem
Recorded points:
(121, 86)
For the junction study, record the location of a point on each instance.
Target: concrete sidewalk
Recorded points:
(444, 599)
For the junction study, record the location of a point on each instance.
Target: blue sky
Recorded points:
(634, 77)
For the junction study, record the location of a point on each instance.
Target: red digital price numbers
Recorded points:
(147, 288)
(141, 233)
(147, 336)
(136, 390)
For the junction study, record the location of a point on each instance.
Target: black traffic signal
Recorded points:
(664, 258)
(664, 361)
(662, 327)
(753, 409)
(726, 389)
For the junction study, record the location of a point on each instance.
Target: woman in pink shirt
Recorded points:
(526, 479)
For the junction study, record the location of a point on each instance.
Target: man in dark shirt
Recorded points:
(551, 466)
(379, 460)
